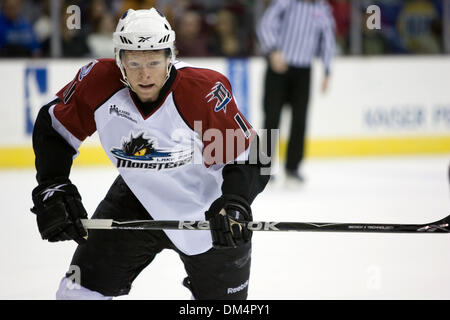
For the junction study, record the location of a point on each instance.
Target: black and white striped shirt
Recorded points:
(300, 30)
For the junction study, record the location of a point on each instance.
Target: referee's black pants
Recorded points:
(292, 87)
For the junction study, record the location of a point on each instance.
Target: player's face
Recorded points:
(146, 71)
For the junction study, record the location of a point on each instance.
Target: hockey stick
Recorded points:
(440, 226)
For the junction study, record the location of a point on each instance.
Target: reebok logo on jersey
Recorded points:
(142, 153)
(51, 191)
(222, 95)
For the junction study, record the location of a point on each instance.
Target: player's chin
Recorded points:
(147, 95)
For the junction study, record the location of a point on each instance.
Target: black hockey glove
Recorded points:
(58, 209)
(225, 217)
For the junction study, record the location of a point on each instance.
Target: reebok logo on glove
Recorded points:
(58, 209)
(51, 191)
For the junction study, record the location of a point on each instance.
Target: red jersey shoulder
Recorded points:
(201, 91)
(201, 78)
(101, 69)
(94, 83)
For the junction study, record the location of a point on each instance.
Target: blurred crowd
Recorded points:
(211, 27)
(407, 27)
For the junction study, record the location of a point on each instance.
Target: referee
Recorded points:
(291, 34)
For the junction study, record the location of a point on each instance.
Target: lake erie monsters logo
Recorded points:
(141, 152)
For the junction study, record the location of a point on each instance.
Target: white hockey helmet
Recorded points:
(145, 29)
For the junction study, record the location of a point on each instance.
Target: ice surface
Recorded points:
(296, 265)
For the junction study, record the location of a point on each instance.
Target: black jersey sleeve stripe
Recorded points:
(242, 125)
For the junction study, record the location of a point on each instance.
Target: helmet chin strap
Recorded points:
(169, 68)
(126, 83)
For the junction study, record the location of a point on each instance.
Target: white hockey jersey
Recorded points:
(172, 158)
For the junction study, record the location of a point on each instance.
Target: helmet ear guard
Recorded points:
(142, 30)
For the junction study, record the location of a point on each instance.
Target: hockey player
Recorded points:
(166, 126)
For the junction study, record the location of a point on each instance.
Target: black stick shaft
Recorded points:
(441, 226)
(361, 227)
